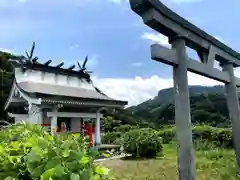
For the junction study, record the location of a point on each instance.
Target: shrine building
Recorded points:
(49, 95)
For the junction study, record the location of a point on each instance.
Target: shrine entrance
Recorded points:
(182, 34)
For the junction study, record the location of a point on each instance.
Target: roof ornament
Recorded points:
(47, 63)
(83, 68)
(71, 67)
(29, 55)
(26, 60)
(59, 65)
(29, 61)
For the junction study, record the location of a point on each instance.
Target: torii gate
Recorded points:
(182, 33)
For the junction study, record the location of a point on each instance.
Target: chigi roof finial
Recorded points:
(83, 68)
(47, 62)
(71, 67)
(29, 55)
(29, 61)
(59, 65)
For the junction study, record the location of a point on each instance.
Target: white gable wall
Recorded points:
(51, 78)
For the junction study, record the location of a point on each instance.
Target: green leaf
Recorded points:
(84, 160)
(76, 135)
(74, 176)
(1, 149)
(48, 174)
(101, 170)
(38, 171)
(72, 165)
(14, 144)
(33, 157)
(59, 171)
(38, 150)
(75, 155)
(50, 138)
(65, 153)
(95, 177)
(8, 174)
(31, 142)
(10, 178)
(52, 163)
(93, 152)
(43, 143)
(86, 174)
(51, 152)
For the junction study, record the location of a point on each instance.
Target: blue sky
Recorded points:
(114, 38)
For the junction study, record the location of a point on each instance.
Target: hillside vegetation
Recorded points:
(6, 77)
(208, 106)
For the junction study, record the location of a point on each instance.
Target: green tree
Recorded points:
(109, 123)
(6, 77)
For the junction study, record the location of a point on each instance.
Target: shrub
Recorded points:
(142, 142)
(203, 145)
(167, 135)
(220, 137)
(27, 152)
(118, 141)
(123, 128)
(202, 132)
(110, 137)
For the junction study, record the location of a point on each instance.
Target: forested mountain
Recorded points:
(167, 96)
(208, 106)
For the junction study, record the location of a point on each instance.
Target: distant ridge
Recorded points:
(167, 95)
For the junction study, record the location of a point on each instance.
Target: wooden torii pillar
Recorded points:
(182, 33)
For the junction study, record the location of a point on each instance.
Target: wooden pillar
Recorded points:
(186, 166)
(54, 122)
(34, 114)
(233, 108)
(98, 129)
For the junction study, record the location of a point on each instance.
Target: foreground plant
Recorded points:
(27, 152)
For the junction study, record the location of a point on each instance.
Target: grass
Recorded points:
(214, 164)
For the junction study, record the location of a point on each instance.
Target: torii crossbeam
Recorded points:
(182, 33)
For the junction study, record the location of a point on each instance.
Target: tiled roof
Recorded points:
(66, 91)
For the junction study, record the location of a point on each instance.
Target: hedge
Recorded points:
(167, 135)
(110, 137)
(220, 137)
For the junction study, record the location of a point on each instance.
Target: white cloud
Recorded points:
(137, 64)
(185, 1)
(75, 46)
(7, 50)
(116, 1)
(163, 40)
(119, 1)
(156, 38)
(171, 1)
(22, 1)
(136, 90)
